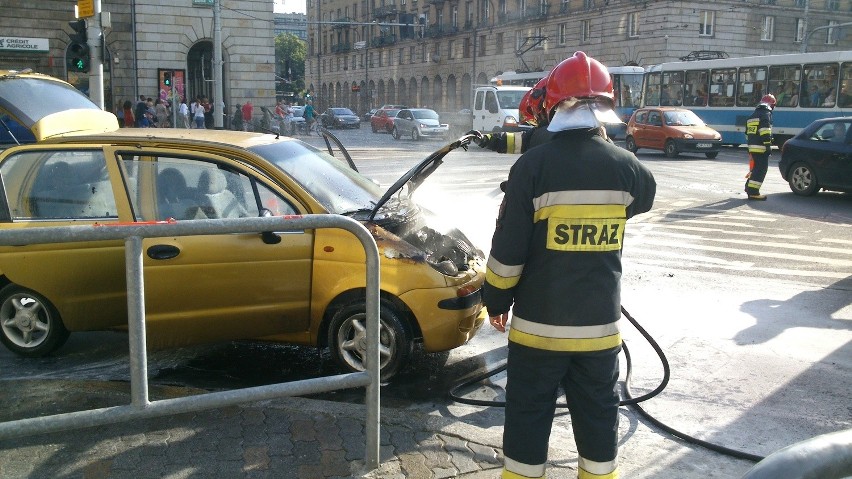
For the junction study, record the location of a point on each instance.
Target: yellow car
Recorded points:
(304, 287)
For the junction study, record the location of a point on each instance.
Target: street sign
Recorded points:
(85, 8)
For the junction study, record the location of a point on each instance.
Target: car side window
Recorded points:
(188, 189)
(66, 184)
(654, 119)
(642, 117)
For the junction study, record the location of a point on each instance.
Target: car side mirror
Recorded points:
(269, 237)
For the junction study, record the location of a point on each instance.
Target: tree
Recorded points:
(290, 53)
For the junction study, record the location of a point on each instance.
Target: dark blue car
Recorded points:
(819, 157)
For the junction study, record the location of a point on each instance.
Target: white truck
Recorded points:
(495, 108)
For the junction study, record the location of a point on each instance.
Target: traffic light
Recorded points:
(167, 79)
(78, 48)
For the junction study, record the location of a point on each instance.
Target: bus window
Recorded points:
(672, 89)
(844, 98)
(784, 84)
(722, 87)
(818, 82)
(750, 87)
(696, 88)
(652, 92)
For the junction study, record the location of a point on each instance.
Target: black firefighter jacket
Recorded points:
(556, 250)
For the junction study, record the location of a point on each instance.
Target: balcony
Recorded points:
(342, 23)
(383, 40)
(509, 17)
(434, 31)
(385, 11)
(342, 47)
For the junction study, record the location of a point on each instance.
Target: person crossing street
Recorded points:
(759, 132)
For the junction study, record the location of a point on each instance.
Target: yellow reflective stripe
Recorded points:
(580, 211)
(510, 143)
(517, 143)
(561, 331)
(598, 469)
(513, 469)
(502, 276)
(500, 282)
(583, 197)
(754, 184)
(576, 345)
(765, 131)
(584, 474)
(505, 270)
(757, 148)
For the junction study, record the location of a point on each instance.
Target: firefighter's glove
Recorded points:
(479, 138)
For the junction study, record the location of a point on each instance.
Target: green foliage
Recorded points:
(290, 53)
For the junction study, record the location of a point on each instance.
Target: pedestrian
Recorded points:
(309, 116)
(248, 109)
(759, 133)
(237, 118)
(184, 113)
(556, 263)
(197, 110)
(161, 113)
(139, 111)
(129, 120)
(208, 112)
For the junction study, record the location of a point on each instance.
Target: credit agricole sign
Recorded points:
(19, 44)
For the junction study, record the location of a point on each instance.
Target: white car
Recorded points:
(419, 123)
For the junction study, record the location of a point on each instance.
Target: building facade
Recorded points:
(152, 47)
(366, 53)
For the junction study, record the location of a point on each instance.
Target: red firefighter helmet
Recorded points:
(531, 107)
(769, 99)
(578, 77)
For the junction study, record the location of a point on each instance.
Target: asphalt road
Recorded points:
(751, 302)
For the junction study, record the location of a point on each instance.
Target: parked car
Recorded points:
(382, 120)
(819, 157)
(339, 118)
(673, 130)
(419, 123)
(304, 287)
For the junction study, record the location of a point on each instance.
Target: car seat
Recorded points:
(174, 200)
(215, 200)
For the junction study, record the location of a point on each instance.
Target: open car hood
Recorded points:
(419, 172)
(34, 107)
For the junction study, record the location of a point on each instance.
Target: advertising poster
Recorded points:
(171, 82)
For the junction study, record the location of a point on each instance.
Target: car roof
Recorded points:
(229, 138)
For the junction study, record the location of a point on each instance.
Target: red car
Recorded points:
(382, 120)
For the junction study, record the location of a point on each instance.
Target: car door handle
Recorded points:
(163, 251)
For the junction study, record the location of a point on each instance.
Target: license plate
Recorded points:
(704, 145)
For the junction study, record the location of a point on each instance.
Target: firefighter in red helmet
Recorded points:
(532, 114)
(555, 262)
(759, 133)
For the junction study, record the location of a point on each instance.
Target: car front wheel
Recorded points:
(630, 144)
(29, 324)
(415, 134)
(711, 154)
(803, 180)
(347, 339)
(671, 149)
(375, 130)
(395, 133)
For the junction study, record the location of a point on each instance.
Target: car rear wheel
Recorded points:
(347, 338)
(671, 149)
(803, 180)
(415, 135)
(711, 154)
(395, 133)
(29, 324)
(630, 144)
(375, 130)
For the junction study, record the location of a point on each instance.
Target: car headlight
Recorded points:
(688, 136)
(445, 267)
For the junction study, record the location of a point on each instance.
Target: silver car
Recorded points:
(419, 123)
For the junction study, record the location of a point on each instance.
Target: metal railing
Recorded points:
(141, 406)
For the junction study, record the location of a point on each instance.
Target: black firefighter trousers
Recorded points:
(589, 381)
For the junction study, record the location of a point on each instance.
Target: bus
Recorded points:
(627, 86)
(724, 92)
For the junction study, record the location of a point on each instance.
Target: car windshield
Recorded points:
(511, 98)
(342, 111)
(25, 98)
(336, 186)
(682, 118)
(424, 114)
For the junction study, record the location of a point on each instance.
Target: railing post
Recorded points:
(136, 322)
